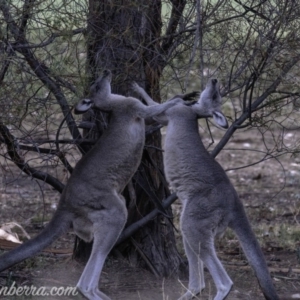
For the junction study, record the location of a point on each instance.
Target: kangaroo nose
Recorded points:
(86, 101)
(214, 81)
(106, 73)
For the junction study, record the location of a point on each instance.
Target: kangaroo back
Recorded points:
(253, 252)
(57, 226)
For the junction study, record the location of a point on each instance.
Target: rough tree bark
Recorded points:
(121, 37)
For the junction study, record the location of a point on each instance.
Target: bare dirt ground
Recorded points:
(270, 192)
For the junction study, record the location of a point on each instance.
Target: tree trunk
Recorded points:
(121, 37)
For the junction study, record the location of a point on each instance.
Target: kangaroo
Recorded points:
(91, 201)
(209, 201)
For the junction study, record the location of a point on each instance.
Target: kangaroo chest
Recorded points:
(188, 165)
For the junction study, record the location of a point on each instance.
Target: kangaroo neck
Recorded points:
(184, 131)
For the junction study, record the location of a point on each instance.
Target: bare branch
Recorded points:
(49, 40)
(177, 11)
(271, 89)
(5, 66)
(197, 40)
(41, 71)
(66, 141)
(253, 9)
(27, 7)
(130, 230)
(18, 160)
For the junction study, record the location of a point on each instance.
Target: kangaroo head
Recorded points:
(209, 104)
(101, 89)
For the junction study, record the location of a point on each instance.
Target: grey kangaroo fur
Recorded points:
(91, 201)
(210, 202)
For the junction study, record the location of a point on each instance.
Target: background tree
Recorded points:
(53, 50)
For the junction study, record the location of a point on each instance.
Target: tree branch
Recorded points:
(49, 40)
(66, 141)
(253, 10)
(41, 71)
(130, 230)
(5, 67)
(271, 89)
(177, 10)
(28, 4)
(12, 151)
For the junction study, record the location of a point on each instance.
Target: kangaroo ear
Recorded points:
(220, 119)
(83, 106)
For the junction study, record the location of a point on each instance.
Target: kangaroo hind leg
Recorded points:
(199, 235)
(196, 275)
(108, 224)
(221, 279)
(83, 228)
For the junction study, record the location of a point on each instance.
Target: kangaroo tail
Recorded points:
(57, 226)
(254, 254)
